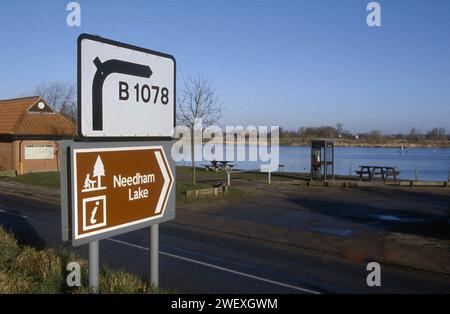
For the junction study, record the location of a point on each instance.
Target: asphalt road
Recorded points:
(193, 260)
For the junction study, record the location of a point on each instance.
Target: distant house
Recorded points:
(29, 131)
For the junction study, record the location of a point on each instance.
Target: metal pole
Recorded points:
(93, 265)
(269, 177)
(228, 178)
(154, 255)
(333, 161)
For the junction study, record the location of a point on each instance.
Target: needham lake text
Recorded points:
(138, 179)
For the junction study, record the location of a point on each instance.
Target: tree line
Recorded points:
(338, 132)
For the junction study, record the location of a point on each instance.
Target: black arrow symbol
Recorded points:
(103, 70)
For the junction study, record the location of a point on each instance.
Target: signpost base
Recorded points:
(94, 266)
(154, 255)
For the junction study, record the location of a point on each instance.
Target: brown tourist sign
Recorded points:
(117, 188)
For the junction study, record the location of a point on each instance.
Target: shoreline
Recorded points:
(294, 142)
(368, 144)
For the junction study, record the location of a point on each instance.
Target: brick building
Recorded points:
(29, 131)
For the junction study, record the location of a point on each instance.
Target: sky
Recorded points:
(272, 62)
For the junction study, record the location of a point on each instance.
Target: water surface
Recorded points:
(413, 163)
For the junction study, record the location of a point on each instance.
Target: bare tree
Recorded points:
(375, 136)
(60, 95)
(197, 101)
(437, 134)
(339, 129)
(414, 135)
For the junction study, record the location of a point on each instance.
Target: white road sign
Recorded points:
(124, 91)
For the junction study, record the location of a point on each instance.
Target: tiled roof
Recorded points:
(11, 110)
(16, 119)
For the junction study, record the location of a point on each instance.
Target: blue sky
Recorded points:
(287, 63)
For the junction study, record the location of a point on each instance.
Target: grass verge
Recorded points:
(46, 179)
(183, 183)
(25, 269)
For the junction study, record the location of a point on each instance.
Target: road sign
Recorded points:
(123, 90)
(118, 189)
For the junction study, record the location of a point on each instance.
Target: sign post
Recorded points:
(154, 255)
(94, 262)
(119, 177)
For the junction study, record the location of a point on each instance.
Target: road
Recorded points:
(193, 260)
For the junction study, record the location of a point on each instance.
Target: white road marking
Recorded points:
(220, 268)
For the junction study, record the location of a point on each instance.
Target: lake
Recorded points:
(422, 163)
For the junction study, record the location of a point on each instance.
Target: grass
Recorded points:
(205, 179)
(263, 176)
(204, 176)
(46, 179)
(181, 187)
(25, 269)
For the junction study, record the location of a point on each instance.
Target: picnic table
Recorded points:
(219, 165)
(225, 165)
(212, 166)
(383, 171)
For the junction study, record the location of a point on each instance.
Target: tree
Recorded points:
(99, 171)
(68, 110)
(437, 134)
(60, 95)
(375, 136)
(321, 131)
(339, 129)
(414, 135)
(197, 101)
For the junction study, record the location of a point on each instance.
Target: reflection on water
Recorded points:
(413, 163)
